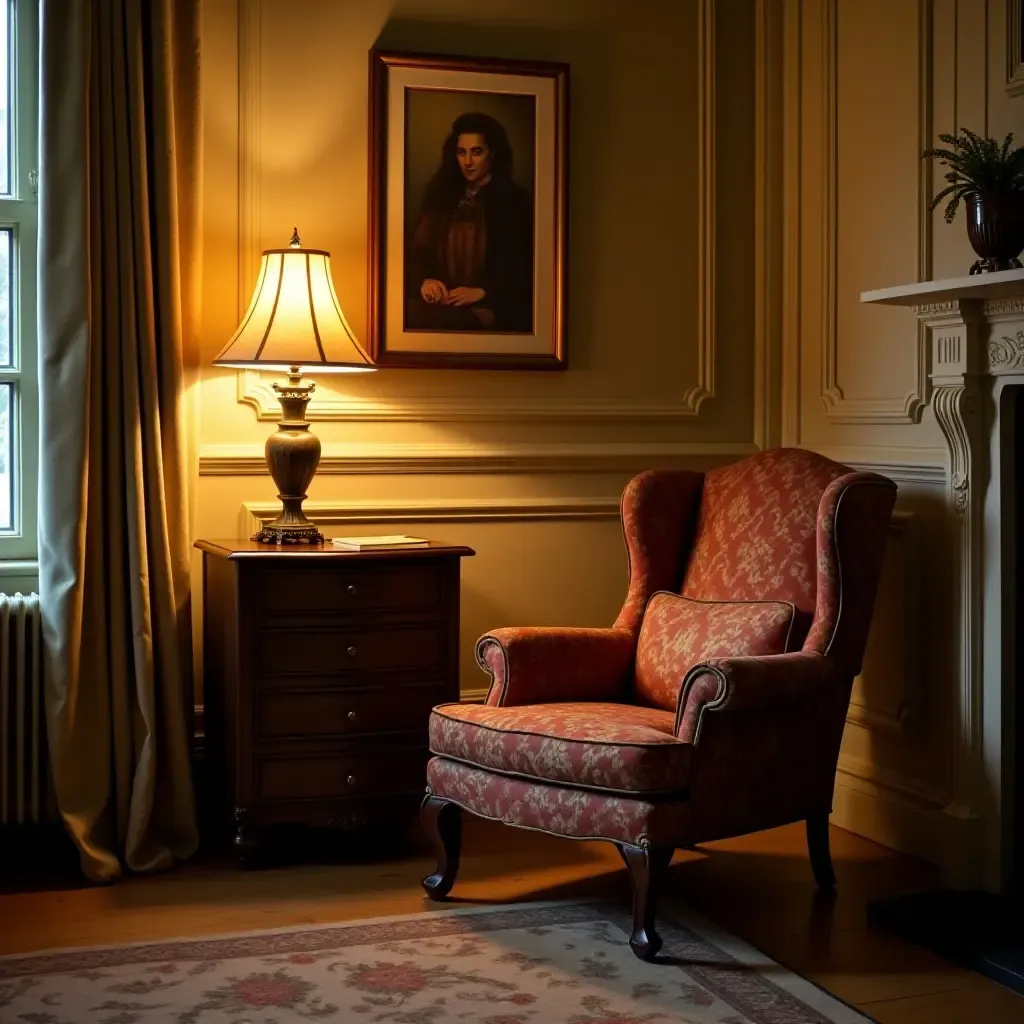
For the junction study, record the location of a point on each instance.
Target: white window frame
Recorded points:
(20, 212)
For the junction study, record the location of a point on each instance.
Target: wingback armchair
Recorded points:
(715, 704)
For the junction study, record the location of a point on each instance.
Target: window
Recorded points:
(19, 399)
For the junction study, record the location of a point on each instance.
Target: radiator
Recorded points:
(25, 791)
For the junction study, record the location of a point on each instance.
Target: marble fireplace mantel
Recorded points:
(974, 328)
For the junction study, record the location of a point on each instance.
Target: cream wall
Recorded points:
(526, 468)
(869, 84)
(739, 172)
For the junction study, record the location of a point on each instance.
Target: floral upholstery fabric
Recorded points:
(762, 732)
(562, 810)
(535, 664)
(616, 747)
(678, 633)
(757, 532)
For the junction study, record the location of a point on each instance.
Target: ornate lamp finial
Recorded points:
(294, 241)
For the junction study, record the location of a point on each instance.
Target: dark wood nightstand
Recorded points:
(320, 670)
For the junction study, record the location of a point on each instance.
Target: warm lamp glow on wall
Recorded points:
(294, 324)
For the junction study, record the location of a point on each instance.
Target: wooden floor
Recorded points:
(758, 887)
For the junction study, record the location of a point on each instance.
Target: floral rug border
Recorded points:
(714, 958)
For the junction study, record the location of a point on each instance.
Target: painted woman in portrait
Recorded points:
(469, 258)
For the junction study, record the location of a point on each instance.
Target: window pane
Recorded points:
(5, 97)
(6, 458)
(6, 297)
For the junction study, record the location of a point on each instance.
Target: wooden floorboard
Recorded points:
(758, 887)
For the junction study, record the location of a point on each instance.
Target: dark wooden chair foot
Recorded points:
(818, 848)
(443, 823)
(647, 869)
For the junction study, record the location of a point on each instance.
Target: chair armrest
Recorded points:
(545, 665)
(748, 684)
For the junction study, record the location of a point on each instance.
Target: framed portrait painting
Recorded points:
(467, 212)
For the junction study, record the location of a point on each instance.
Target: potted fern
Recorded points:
(989, 178)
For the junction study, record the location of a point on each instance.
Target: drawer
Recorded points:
(285, 714)
(319, 650)
(359, 589)
(327, 776)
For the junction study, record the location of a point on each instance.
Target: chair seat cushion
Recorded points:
(680, 632)
(616, 748)
(561, 810)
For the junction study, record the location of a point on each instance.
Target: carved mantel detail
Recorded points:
(991, 308)
(1006, 353)
(956, 411)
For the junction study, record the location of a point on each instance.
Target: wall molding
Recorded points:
(909, 822)
(707, 211)
(1014, 56)
(326, 514)
(250, 76)
(918, 790)
(401, 459)
(768, 131)
(792, 219)
(254, 388)
(903, 465)
(908, 407)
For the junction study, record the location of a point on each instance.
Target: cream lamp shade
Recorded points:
(294, 319)
(294, 324)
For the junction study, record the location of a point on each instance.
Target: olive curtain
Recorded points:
(118, 276)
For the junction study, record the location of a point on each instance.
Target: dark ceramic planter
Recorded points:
(995, 228)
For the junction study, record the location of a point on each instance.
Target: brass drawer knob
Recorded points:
(352, 652)
(352, 590)
(351, 780)
(351, 716)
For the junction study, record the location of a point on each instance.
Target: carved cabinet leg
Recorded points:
(248, 840)
(443, 823)
(818, 848)
(648, 867)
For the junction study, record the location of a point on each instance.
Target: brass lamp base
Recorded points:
(271, 534)
(293, 454)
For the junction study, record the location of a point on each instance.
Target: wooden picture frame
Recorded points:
(468, 212)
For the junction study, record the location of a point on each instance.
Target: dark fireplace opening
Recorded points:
(1013, 700)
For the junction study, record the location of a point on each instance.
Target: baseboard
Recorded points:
(932, 834)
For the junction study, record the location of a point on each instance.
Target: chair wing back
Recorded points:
(852, 523)
(791, 525)
(659, 514)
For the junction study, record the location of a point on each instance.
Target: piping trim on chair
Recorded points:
(671, 740)
(632, 794)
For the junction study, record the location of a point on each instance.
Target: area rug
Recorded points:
(552, 963)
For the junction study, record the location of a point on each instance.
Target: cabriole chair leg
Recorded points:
(443, 823)
(647, 869)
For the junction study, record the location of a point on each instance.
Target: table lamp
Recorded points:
(294, 324)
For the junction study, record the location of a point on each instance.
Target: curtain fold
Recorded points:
(118, 294)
